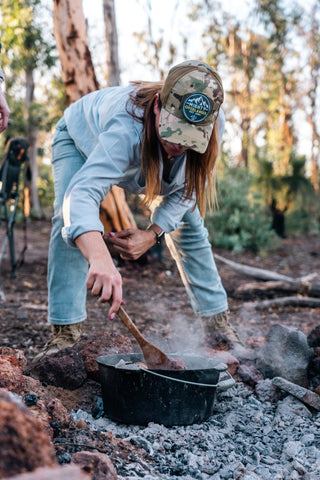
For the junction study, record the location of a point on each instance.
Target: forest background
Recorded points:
(267, 52)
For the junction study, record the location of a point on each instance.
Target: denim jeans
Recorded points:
(67, 268)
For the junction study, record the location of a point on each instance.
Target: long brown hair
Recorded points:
(200, 168)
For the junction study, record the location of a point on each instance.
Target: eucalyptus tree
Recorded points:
(29, 53)
(235, 50)
(309, 27)
(280, 78)
(78, 73)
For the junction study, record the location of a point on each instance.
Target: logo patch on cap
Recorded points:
(196, 107)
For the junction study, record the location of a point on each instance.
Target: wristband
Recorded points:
(157, 230)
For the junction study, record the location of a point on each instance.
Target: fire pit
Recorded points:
(135, 395)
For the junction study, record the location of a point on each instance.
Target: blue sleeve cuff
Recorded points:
(69, 234)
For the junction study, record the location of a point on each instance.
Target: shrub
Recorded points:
(241, 221)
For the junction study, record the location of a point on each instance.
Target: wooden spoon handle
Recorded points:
(124, 317)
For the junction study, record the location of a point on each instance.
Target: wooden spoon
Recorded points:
(154, 357)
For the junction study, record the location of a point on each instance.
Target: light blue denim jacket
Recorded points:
(110, 140)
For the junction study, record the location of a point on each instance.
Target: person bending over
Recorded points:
(158, 139)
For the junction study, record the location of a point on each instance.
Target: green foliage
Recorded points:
(241, 221)
(45, 186)
(302, 222)
(287, 190)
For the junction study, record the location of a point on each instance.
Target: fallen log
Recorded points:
(303, 284)
(267, 289)
(307, 396)
(285, 301)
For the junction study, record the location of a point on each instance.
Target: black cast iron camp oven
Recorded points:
(176, 397)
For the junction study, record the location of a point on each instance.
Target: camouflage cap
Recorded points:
(191, 98)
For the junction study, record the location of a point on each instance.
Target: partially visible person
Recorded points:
(4, 109)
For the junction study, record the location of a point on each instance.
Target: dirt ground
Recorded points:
(154, 295)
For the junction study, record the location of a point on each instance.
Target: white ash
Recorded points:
(127, 365)
(244, 439)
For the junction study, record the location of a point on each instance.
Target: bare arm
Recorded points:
(103, 278)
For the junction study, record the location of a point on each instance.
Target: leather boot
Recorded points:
(219, 325)
(63, 336)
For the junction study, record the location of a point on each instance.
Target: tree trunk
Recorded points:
(113, 69)
(70, 32)
(32, 137)
(115, 213)
(312, 115)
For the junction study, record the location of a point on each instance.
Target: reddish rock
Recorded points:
(16, 357)
(39, 410)
(57, 412)
(24, 445)
(225, 357)
(255, 342)
(71, 472)
(249, 375)
(11, 376)
(62, 369)
(97, 464)
(55, 409)
(218, 341)
(103, 344)
(79, 424)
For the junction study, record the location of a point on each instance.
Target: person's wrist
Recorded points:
(158, 232)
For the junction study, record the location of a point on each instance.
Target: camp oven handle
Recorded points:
(222, 385)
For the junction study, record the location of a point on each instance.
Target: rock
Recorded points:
(249, 375)
(62, 369)
(11, 376)
(306, 396)
(57, 412)
(71, 472)
(224, 357)
(266, 391)
(97, 464)
(79, 424)
(40, 411)
(102, 344)
(55, 409)
(17, 357)
(285, 354)
(314, 337)
(255, 342)
(290, 407)
(218, 341)
(24, 446)
(314, 374)
(314, 367)
(291, 450)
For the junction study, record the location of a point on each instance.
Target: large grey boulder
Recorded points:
(285, 354)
